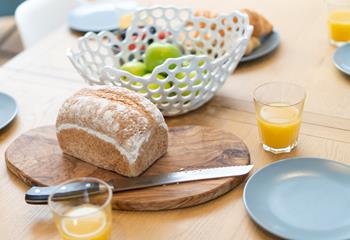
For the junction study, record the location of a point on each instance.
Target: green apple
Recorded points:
(153, 86)
(185, 63)
(135, 68)
(186, 93)
(180, 75)
(147, 75)
(136, 84)
(201, 63)
(192, 74)
(172, 66)
(159, 76)
(156, 95)
(157, 53)
(182, 85)
(172, 94)
(141, 90)
(168, 85)
(198, 82)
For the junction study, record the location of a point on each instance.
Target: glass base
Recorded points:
(279, 150)
(336, 43)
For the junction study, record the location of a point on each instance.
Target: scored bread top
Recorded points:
(114, 114)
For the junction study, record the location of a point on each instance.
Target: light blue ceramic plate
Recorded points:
(341, 58)
(8, 109)
(268, 44)
(301, 198)
(86, 18)
(99, 17)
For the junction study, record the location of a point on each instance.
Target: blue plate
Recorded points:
(8, 109)
(268, 44)
(99, 17)
(301, 198)
(341, 58)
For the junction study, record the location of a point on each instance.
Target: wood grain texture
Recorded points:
(35, 157)
(41, 78)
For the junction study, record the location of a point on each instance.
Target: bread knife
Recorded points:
(40, 195)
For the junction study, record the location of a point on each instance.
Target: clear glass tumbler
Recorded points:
(279, 107)
(84, 213)
(339, 21)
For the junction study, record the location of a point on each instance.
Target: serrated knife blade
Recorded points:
(39, 195)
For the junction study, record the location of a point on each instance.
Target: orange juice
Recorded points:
(339, 25)
(279, 125)
(85, 222)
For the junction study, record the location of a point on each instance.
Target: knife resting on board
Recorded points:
(40, 195)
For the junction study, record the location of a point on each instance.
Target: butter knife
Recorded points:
(40, 195)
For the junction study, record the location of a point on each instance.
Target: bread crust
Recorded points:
(112, 128)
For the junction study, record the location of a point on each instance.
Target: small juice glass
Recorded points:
(279, 108)
(85, 214)
(339, 21)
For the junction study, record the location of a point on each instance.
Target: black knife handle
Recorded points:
(40, 195)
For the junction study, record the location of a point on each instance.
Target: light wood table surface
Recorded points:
(41, 78)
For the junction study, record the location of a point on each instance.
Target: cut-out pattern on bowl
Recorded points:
(212, 49)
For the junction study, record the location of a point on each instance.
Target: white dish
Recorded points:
(205, 66)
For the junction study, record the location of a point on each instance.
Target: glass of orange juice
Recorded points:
(339, 21)
(279, 107)
(86, 213)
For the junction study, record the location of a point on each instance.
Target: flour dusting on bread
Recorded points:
(118, 117)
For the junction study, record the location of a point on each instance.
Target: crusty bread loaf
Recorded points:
(112, 128)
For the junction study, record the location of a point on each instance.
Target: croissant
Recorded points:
(261, 25)
(205, 13)
(253, 43)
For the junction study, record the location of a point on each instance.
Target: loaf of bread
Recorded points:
(112, 128)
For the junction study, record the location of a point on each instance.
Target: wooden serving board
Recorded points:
(36, 159)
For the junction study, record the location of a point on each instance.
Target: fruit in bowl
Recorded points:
(135, 67)
(157, 53)
(212, 61)
(155, 86)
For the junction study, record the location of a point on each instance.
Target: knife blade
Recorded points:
(40, 195)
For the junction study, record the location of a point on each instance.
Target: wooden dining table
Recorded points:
(41, 78)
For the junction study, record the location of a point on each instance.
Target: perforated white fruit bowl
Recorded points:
(212, 48)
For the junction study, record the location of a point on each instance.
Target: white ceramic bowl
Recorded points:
(212, 49)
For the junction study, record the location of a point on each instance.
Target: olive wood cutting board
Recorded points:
(35, 157)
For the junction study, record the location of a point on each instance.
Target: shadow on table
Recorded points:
(346, 76)
(7, 130)
(264, 233)
(44, 228)
(260, 61)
